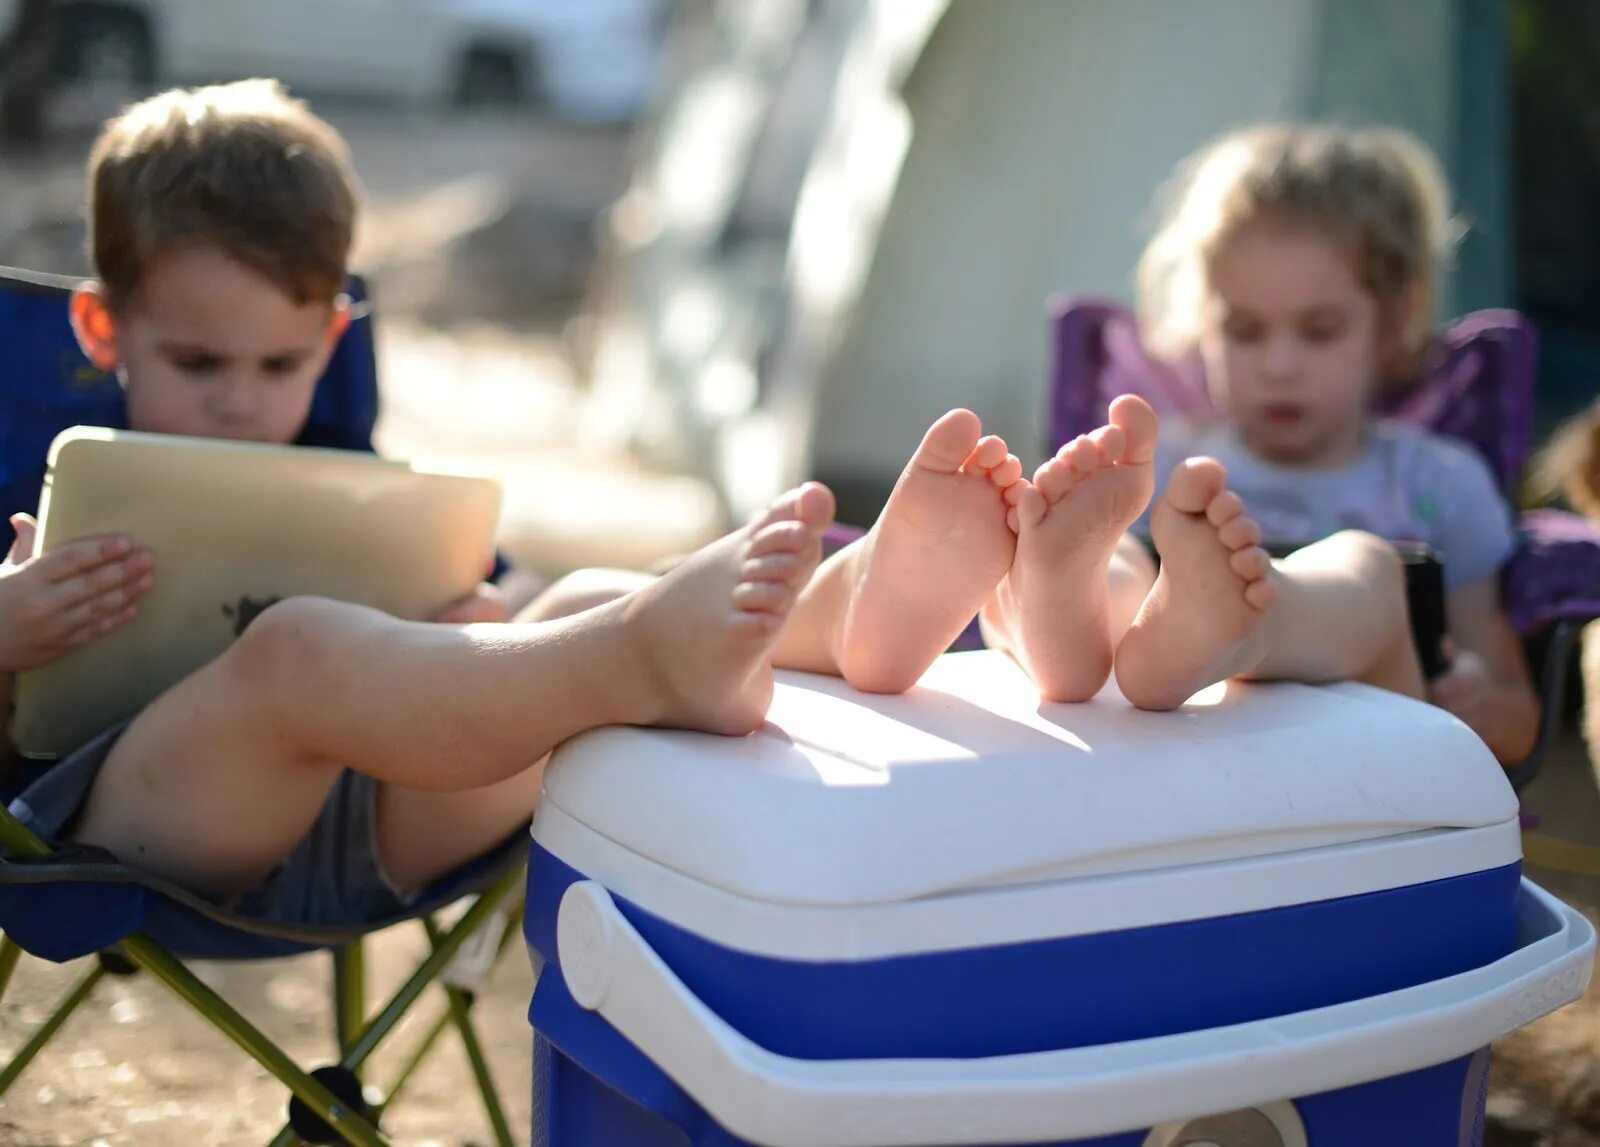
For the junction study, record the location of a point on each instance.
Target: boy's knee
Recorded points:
(283, 644)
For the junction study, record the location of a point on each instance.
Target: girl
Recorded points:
(1300, 264)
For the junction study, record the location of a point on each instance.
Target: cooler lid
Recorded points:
(970, 781)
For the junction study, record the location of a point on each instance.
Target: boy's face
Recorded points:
(210, 348)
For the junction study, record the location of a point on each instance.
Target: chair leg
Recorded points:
(458, 1013)
(349, 994)
(379, 1027)
(1553, 693)
(9, 955)
(36, 1043)
(412, 1063)
(459, 1004)
(350, 1127)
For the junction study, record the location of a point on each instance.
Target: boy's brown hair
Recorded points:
(240, 167)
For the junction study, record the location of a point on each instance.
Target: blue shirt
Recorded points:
(1408, 485)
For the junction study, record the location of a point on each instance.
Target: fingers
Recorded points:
(55, 604)
(22, 546)
(94, 627)
(81, 556)
(113, 602)
(115, 583)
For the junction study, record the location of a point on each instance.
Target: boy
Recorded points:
(334, 761)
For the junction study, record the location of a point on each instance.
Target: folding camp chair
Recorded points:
(68, 902)
(1477, 386)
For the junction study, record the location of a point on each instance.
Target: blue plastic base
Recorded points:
(1436, 1107)
(594, 1088)
(1075, 991)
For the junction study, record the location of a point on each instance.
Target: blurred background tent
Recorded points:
(847, 215)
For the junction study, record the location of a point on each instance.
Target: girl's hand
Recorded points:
(1464, 687)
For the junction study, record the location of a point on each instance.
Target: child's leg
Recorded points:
(220, 777)
(583, 590)
(1078, 579)
(1333, 611)
(422, 835)
(880, 610)
(883, 608)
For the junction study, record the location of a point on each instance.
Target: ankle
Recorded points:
(633, 686)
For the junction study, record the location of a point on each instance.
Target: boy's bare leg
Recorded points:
(217, 780)
(1333, 611)
(1078, 580)
(423, 836)
(882, 609)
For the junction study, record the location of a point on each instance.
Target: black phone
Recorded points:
(1425, 594)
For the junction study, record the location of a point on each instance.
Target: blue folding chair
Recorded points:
(68, 902)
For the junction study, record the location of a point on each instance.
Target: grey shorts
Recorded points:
(333, 876)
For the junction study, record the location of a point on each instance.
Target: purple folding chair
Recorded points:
(1477, 387)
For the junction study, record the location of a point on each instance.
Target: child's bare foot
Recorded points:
(1198, 624)
(1053, 608)
(932, 559)
(705, 631)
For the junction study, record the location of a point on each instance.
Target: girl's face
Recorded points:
(1290, 340)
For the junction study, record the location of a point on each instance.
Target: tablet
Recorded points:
(235, 527)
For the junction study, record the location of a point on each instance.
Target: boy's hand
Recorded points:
(1464, 686)
(51, 605)
(484, 604)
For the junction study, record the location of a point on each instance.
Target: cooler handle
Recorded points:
(780, 1101)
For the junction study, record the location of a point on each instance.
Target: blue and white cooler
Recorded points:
(1278, 917)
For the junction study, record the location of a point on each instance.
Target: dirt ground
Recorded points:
(479, 238)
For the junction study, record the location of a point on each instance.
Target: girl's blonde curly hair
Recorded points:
(1378, 192)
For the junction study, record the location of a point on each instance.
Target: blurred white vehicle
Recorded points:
(584, 59)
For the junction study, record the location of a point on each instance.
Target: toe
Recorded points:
(770, 567)
(1030, 507)
(780, 537)
(987, 454)
(1081, 455)
(810, 502)
(1260, 595)
(1194, 484)
(949, 442)
(1239, 533)
(1224, 508)
(814, 505)
(1133, 416)
(1007, 473)
(1110, 443)
(1251, 564)
(762, 596)
(1053, 479)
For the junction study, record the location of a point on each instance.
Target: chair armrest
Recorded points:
(1555, 574)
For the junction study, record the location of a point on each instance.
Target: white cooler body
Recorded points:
(1280, 915)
